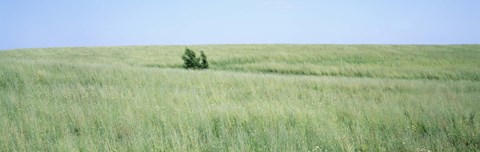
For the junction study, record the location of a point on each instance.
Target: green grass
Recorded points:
(254, 98)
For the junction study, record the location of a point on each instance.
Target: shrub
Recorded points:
(190, 60)
(204, 62)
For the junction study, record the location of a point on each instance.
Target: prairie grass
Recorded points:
(254, 98)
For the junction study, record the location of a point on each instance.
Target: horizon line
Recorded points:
(206, 44)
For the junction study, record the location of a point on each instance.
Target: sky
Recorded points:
(70, 23)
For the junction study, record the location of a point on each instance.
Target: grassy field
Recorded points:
(253, 98)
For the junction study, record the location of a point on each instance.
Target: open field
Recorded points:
(253, 98)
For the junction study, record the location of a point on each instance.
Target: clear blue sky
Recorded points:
(59, 23)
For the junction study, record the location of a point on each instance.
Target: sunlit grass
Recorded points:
(254, 98)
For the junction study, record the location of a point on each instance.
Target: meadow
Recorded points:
(253, 98)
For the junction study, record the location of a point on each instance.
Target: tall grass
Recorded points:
(135, 99)
(449, 62)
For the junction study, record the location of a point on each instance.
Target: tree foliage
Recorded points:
(203, 62)
(191, 61)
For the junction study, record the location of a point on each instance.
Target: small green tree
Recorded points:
(190, 60)
(204, 62)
